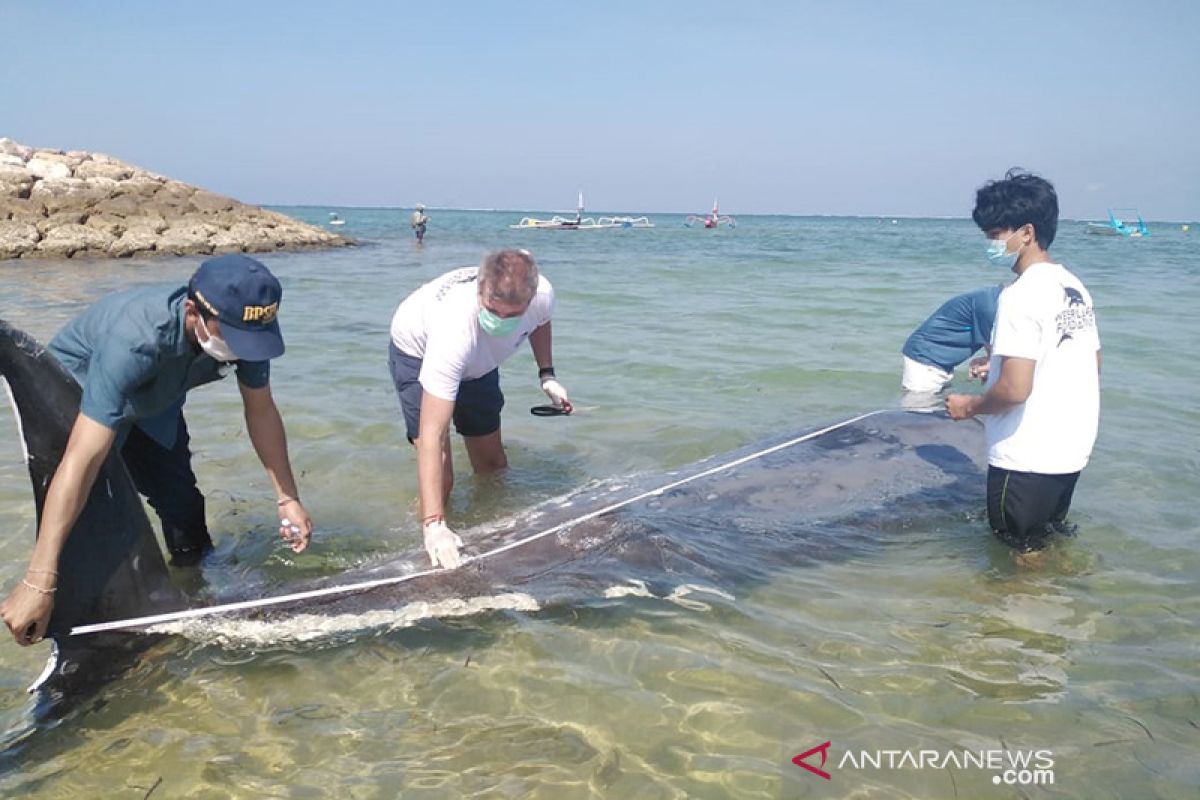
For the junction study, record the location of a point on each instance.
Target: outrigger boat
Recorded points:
(1117, 227)
(624, 222)
(712, 219)
(582, 223)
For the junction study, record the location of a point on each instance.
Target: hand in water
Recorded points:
(295, 526)
(557, 394)
(442, 544)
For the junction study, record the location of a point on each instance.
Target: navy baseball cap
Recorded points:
(244, 296)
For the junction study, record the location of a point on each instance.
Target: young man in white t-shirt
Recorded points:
(1041, 404)
(448, 340)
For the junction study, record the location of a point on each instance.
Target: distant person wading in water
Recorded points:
(419, 221)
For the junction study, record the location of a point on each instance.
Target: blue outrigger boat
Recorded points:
(1118, 227)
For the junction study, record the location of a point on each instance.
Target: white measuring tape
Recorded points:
(208, 611)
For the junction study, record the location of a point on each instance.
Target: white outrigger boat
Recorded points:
(624, 222)
(582, 223)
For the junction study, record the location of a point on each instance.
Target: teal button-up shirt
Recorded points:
(130, 354)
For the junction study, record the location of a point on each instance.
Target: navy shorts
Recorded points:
(1024, 508)
(476, 411)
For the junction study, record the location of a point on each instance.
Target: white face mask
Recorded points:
(214, 346)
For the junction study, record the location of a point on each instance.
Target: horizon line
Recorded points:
(597, 212)
(681, 213)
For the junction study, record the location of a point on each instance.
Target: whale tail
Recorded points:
(111, 566)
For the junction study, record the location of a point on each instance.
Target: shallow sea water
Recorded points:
(676, 344)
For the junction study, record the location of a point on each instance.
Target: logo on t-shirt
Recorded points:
(454, 278)
(1077, 315)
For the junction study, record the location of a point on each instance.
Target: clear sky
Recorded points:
(836, 107)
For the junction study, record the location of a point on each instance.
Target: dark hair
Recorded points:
(1019, 198)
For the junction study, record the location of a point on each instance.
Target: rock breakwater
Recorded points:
(64, 204)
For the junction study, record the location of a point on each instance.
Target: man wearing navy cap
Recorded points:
(136, 354)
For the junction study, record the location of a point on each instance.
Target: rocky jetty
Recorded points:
(56, 204)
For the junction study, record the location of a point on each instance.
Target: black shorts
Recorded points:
(166, 479)
(1024, 508)
(476, 410)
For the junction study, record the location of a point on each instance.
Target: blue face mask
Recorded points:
(998, 255)
(494, 325)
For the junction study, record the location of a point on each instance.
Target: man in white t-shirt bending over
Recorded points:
(1041, 405)
(448, 339)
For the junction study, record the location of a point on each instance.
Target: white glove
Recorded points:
(557, 394)
(442, 544)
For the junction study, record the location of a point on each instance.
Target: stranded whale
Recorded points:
(830, 493)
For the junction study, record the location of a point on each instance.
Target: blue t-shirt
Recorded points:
(955, 331)
(135, 364)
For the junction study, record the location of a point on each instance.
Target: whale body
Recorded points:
(827, 493)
